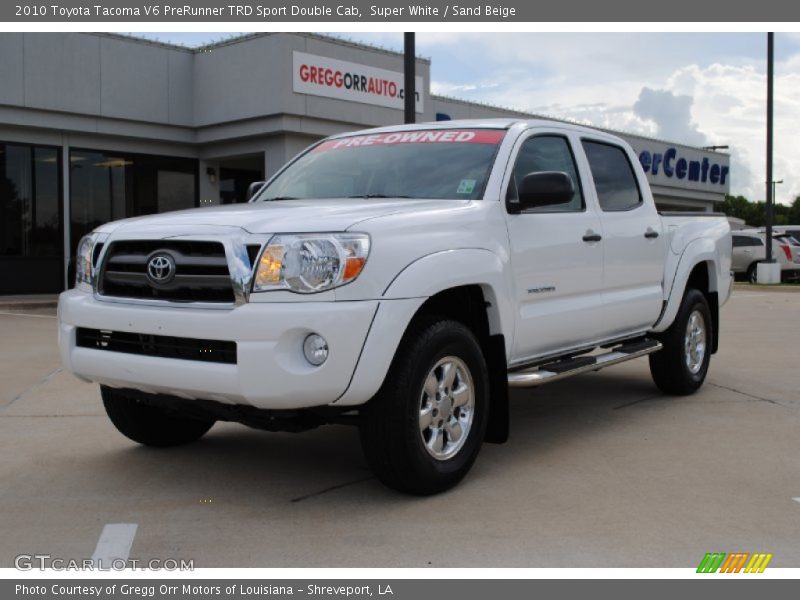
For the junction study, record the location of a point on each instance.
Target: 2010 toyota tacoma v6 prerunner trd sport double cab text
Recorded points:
(400, 279)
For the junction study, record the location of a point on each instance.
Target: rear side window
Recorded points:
(547, 153)
(613, 176)
(741, 241)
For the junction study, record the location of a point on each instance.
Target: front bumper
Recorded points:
(270, 372)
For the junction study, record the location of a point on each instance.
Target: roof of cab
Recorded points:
(506, 123)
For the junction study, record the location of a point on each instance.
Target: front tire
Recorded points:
(422, 432)
(151, 425)
(680, 368)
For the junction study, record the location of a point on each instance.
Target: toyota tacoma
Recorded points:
(401, 279)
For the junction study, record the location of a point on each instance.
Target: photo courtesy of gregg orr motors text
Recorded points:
(187, 589)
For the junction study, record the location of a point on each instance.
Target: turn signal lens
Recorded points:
(269, 266)
(352, 267)
(308, 263)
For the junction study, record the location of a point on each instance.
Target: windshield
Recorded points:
(439, 163)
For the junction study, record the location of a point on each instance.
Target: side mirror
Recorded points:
(253, 189)
(545, 188)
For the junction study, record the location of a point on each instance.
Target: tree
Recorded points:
(755, 213)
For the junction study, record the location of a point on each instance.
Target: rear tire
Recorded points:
(752, 273)
(150, 425)
(680, 368)
(422, 431)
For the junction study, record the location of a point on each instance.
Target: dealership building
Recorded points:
(98, 127)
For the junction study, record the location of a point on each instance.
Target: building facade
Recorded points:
(97, 127)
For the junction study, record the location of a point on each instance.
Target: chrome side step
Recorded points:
(561, 369)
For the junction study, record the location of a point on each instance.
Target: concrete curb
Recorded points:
(773, 287)
(29, 306)
(28, 302)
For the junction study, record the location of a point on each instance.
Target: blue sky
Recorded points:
(695, 88)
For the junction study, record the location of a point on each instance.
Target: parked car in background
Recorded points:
(792, 230)
(791, 248)
(749, 249)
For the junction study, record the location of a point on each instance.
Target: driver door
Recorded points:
(556, 260)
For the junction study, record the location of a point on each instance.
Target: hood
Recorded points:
(284, 216)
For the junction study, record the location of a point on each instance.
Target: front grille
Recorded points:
(200, 271)
(161, 346)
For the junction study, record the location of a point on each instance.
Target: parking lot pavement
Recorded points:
(601, 470)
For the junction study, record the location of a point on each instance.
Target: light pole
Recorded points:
(774, 183)
(770, 182)
(409, 78)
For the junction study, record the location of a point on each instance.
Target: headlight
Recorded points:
(308, 263)
(83, 262)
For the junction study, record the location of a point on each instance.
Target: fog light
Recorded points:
(315, 349)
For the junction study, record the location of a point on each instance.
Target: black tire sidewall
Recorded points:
(150, 425)
(669, 366)
(752, 273)
(697, 303)
(389, 428)
(458, 342)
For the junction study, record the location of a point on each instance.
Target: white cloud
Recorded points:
(698, 89)
(671, 113)
(729, 104)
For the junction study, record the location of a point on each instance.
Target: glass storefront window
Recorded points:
(30, 206)
(106, 186)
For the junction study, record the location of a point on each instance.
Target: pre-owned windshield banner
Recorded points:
(438, 136)
(397, 11)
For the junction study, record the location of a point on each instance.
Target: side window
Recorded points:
(547, 153)
(613, 176)
(746, 241)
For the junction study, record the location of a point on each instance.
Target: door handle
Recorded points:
(651, 233)
(591, 236)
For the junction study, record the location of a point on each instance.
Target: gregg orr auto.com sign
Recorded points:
(331, 78)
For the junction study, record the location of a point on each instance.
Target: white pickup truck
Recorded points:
(400, 279)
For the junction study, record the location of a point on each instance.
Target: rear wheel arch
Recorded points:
(702, 278)
(681, 366)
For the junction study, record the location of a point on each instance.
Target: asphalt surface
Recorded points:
(601, 471)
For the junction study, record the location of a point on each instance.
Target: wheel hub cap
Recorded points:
(695, 342)
(446, 408)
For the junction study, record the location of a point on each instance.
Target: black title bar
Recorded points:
(393, 11)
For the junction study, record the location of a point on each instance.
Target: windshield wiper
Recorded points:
(280, 198)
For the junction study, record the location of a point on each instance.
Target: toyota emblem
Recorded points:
(161, 269)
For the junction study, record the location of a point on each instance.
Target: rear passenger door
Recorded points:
(634, 245)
